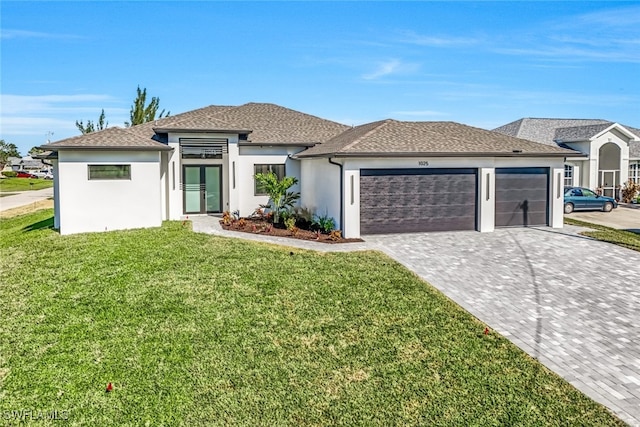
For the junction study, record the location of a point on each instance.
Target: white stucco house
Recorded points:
(612, 150)
(386, 176)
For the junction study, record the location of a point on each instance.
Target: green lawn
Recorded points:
(199, 330)
(23, 184)
(623, 238)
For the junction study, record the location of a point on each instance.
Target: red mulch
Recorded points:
(257, 226)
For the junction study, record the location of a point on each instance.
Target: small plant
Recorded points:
(294, 230)
(290, 223)
(324, 223)
(10, 174)
(335, 235)
(241, 223)
(227, 219)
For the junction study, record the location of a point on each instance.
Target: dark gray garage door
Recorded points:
(415, 200)
(522, 196)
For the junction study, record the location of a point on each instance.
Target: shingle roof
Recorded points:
(110, 138)
(268, 123)
(579, 133)
(395, 138)
(544, 130)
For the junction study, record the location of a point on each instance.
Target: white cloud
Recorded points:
(437, 41)
(393, 66)
(8, 33)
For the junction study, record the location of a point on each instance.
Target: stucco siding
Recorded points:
(103, 205)
(320, 188)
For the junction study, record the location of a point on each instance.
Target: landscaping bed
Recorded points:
(263, 226)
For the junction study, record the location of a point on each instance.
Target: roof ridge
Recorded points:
(367, 133)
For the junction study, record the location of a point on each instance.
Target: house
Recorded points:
(612, 150)
(26, 163)
(386, 176)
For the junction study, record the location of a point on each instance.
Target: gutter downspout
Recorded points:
(341, 194)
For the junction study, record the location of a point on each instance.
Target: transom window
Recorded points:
(276, 169)
(203, 148)
(634, 172)
(97, 172)
(568, 175)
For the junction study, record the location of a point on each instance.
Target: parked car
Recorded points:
(23, 174)
(48, 175)
(583, 199)
(40, 174)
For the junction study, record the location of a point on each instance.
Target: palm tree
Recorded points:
(277, 191)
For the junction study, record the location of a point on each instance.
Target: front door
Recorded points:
(608, 181)
(202, 189)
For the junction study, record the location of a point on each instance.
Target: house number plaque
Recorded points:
(423, 163)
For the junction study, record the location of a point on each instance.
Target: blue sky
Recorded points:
(480, 63)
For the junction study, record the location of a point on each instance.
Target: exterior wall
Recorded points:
(327, 195)
(615, 137)
(101, 205)
(245, 181)
(56, 196)
(238, 192)
(320, 189)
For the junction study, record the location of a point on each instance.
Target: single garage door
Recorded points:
(522, 196)
(416, 200)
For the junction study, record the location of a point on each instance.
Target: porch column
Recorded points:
(486, 199)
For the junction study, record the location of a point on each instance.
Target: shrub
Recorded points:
(281, 199)
(290, 223)
(227, 219)
(10, 174)
(335, 235)
(303, 216)
(324, 223)
(241, 223)
(629, 191)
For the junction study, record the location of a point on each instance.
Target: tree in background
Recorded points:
(92, 127)
(141, 113)
(35, 151)
(7, 150)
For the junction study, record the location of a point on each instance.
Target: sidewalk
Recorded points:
(23, 198)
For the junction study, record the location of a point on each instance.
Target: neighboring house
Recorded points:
(612, 149)
(386, 176)
(26, 163)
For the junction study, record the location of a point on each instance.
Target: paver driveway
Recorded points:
(570, 301)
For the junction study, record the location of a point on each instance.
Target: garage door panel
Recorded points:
(416, 203)
(522, 197)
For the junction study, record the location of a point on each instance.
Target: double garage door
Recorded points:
(419, 200)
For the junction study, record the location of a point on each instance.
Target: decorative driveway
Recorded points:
(569, 301)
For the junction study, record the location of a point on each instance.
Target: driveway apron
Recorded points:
(571, 302)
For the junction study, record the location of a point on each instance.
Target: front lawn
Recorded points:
(199, 330)
(622, 238)
(8, 185)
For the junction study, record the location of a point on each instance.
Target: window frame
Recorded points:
(268, 167)
(568, 175)
(124, 177)
(634, 172)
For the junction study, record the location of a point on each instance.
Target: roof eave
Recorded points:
(277, 144)
(187, 130)
(104, 148)
(440, 154)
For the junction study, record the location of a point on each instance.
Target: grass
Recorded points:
(200, 330)
(8, 185)
(622, 238)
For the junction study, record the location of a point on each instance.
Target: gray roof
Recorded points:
(548, 131)
(110, 138)
(558, 131)
(265, 123)
(395, 138)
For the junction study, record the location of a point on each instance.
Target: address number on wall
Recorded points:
(423, 163)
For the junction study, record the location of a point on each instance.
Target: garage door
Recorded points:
(416, 200)
(522, 196)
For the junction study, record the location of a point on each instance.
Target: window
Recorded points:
(203, 148)
(634, 172)
(109, 172)
(276, 169)
(568, 175)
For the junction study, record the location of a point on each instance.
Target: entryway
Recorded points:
(202, 189)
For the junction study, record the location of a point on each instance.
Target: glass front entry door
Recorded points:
(202, 189)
